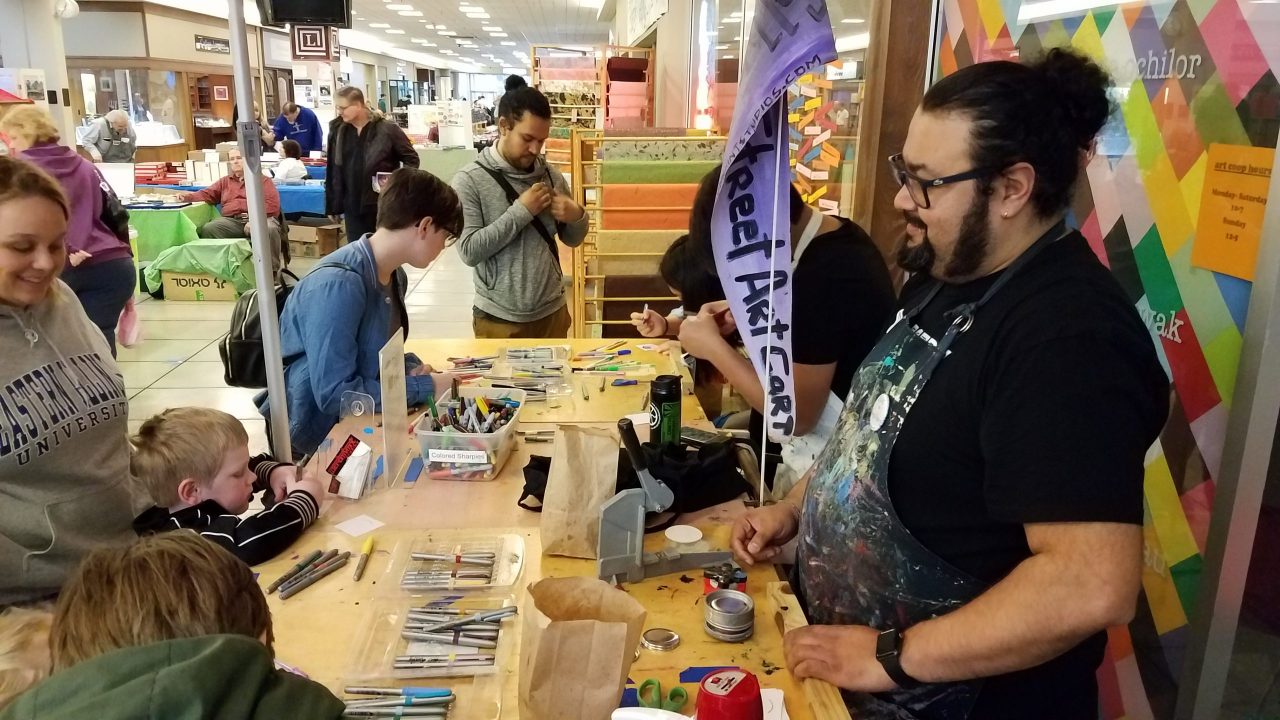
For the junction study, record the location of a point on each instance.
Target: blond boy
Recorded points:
(195, 464)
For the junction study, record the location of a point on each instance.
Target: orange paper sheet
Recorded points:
(1232, 206)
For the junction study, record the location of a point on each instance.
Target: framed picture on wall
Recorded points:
(220, 92)
(105, 84)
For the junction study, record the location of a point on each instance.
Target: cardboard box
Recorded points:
(197, 287)
(303, 249)
(200, 155)
(322, 239)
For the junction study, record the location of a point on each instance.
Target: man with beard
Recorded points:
(975, 524)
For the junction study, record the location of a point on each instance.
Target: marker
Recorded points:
(364, 558)
(314, 577)
(322, 561)
(405, 691)
(302, 565)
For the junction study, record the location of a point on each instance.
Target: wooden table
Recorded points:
(319, 630)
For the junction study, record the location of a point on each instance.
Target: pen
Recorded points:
(404, 691)
(324, 561)
(364, 558)
(302, 565)
(312, 578)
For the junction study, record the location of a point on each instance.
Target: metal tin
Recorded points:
(730, 615)
(659, 639)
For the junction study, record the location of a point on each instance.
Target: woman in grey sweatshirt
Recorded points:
(64, 456)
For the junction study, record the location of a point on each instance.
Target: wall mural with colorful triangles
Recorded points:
(1196, 92)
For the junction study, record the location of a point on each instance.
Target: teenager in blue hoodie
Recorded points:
(348, 306)
(100, 267)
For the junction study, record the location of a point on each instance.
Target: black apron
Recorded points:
(857, 564)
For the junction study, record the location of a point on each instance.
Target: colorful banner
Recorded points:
(751, 225)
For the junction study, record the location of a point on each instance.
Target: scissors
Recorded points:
(673, 702)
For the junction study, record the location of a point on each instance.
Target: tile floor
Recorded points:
(177, 361)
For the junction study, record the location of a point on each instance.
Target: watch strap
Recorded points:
(889, 655)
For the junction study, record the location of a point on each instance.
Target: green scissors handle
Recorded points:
(650, 695)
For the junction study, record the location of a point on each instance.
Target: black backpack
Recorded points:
(244, 363)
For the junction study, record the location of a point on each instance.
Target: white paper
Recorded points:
(471, 457)
(774, 706)
(353, 478)
(360, 525)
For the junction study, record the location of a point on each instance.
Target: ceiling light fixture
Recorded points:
(379, 26)
(448, 33)
(411, 13)
(491, 28)
(508, 42)
(395, 31)
(853, 21)
(497, 34)
(399, 7)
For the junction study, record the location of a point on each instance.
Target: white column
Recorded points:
(31, 37)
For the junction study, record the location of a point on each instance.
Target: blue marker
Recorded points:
(421, 692)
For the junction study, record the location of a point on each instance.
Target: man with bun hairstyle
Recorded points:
(974, 525)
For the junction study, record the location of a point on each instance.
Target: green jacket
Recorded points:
(217, 677)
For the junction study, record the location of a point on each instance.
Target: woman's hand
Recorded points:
(649, 323)
(78, 257)
(703, 334)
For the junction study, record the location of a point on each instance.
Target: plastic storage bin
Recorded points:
(451, 455)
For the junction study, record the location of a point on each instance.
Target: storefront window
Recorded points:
(148, 96)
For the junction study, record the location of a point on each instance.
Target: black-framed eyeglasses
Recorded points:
(918, 187)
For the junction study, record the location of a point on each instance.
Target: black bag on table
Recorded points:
(698, 477)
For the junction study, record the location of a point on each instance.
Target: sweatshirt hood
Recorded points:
(491, 158)
(58, 160)
(184, 679)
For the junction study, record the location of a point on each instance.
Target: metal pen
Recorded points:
(450, 640)
(405, 691)
(364, 558)
(434, 712)
(486, 616)
(312, 578)
(302, 565)
(406, 701)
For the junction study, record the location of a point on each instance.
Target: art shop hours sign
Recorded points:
(1232, 206)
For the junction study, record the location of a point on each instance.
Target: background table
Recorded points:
(305, 199)
(159, 230)
(318, 630)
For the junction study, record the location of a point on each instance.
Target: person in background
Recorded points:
(229, 193)
(64, 470)
(301, 125)
(265, 136)
(842, 117)
(842, 299)
(100, 269)
(382, 104)
(362, 143)
(171, 626)
(977, 523)
(290, 166)
(690, 274)
(342, 313)
(111, 138)
(515, 204)
(194, 463)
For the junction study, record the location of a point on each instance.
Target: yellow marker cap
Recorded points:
(368, 546)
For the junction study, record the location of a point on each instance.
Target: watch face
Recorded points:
(887, 644)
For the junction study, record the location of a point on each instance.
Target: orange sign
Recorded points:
(1232, 206)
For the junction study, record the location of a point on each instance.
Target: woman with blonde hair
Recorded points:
(64, 454)
(100, 267)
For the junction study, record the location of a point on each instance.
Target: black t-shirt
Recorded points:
(354, 166)
(841, 302)
(1043, 412)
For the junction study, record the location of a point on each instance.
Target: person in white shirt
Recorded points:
(291, 167)
(842, 116)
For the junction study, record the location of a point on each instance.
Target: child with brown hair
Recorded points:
(171, 626)
(194, 462)
(24, 649)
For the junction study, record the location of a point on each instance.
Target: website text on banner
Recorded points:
(751, 223)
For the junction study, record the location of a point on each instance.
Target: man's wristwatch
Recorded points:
(888, 653)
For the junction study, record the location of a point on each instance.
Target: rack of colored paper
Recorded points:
(391, 702)
(319, 564)
(469, 436)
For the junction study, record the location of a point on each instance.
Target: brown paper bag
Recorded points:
(579, 637)
(583, 476)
